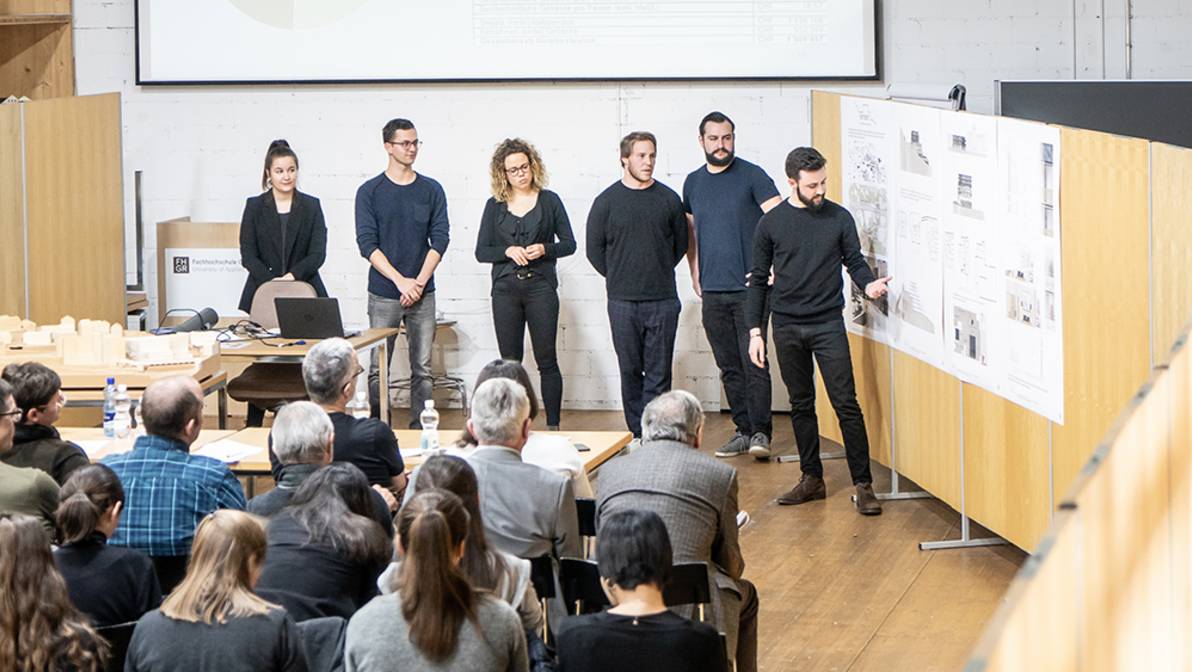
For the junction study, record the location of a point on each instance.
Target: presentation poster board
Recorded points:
(963, 211)
(204, 277)
(229, 41)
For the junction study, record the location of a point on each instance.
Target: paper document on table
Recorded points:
(93, 446)
(228, 451)
(407, 453)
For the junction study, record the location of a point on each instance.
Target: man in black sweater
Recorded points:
(637, 233)
(805, 240)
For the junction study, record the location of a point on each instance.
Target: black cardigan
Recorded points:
(261, 243)
(544, 223)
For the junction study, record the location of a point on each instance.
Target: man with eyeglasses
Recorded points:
(38, 392)
(402, 229)
(28, 491)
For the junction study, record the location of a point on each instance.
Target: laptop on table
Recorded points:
(313, 318)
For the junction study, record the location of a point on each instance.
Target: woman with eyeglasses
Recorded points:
(283, 236)
(523, 231)
(37, 390)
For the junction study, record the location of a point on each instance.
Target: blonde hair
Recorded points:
(228, 547)
(496, 169)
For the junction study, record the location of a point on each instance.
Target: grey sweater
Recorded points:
(379, 639)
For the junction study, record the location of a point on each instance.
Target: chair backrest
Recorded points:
(580, 581)
(586, 510)
(118, 637)
(263, 311)
(542, 575)
(688, 585)
(323, 643)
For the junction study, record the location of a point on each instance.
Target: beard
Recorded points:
(811, 203)
(641, 176)
(720, 161)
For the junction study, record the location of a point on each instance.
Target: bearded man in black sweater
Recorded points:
(806, 239)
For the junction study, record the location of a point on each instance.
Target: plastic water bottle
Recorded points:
(358, 407)
(109, 408)
(430, 428)
(122, 422)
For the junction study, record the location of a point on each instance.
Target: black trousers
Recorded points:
(795, 345)
(644, 338)
(531, 302)
(746, 386)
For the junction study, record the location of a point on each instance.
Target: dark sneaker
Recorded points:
(867, 504)
(738, 445)
(759, 446)
(809, 488)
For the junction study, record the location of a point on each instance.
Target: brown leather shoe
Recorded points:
(809, 488)
(867, 504)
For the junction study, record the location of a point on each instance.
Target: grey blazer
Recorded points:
(696, 496)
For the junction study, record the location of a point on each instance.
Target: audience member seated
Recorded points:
(167, 490)
(330, 372)
(696, 496)
(325, 552)
(505, 576)
(39, 628)
(548, 451)
(213, 622)
(635, 561)
(303, 441)
(38, 393)
(110, 585)
(435, 619)
(23, 490)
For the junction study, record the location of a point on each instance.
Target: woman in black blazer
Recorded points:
(282, 233)
(523, 230)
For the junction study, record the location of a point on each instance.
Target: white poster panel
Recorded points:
(870, 155)
(917, 291)
(204, 277)
(1029, 268)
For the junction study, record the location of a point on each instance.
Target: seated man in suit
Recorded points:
(330, 371)
(28, 491)
(38, 393)
(696, 496)
(168, 491)
(303, 441)
(527, 510)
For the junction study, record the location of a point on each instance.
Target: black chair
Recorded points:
(585, 509)
(323, 642)
(688, 585)
(580, 581)
(542, 575)
(170, 570)
(117, 636)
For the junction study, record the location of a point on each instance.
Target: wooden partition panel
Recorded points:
(1171, 245)
(12, 203)
(76, 208)
(1180, 479)
(927, 427)
(1103, 197)
(181, 232)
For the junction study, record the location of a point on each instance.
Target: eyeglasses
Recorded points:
(406, 144)
(14, 414)
(518, 170)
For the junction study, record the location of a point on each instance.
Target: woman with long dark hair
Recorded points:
(213, 621)
(435, 619)
(110, 584)
(325, 549)
(39, 627)
(504, 575)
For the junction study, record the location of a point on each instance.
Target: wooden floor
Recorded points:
(839, 591)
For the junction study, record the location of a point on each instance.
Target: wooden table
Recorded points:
(90, 439)
(284, 350)
(93, 398)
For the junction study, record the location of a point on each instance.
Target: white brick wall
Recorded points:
(201, 148)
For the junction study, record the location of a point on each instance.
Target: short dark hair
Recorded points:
(33, 384)
(715, 117)
(633, 549)
(5, 393)
(636, 136)
(803, 158)
(394, 125)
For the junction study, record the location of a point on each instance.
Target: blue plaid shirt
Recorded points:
(167, 492)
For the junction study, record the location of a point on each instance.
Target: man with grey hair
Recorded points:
(303, 443)
(331, 371)
(696, 496)
(527, 510)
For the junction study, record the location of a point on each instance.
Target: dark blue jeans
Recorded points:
(795, 345)
(644, 338)
(746, 386)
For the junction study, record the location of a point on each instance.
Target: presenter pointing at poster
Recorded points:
(806, 239)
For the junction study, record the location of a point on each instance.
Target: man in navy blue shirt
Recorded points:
(724, 198)
(401, 228)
